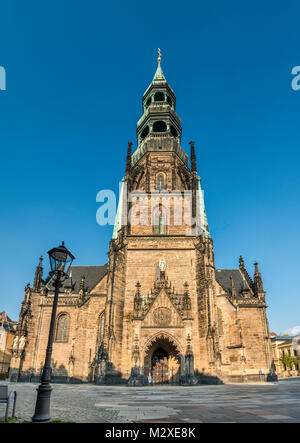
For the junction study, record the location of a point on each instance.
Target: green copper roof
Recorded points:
(158, 79)
(159, 75)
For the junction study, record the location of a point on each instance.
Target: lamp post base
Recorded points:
(272, 377)
(42, 407)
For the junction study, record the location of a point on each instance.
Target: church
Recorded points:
(158, 311)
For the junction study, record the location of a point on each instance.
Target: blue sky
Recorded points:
(76, 72)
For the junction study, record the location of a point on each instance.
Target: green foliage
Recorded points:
(10, 420)
(61, 421)
(288, 361)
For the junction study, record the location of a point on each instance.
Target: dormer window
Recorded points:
(159, 97)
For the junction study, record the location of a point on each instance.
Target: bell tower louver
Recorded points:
(159, 128)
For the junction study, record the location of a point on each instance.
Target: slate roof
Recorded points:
(282, 337)
(223, 278)
(92, 274)
(158, 79)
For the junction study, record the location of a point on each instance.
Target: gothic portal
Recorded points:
(159, 307)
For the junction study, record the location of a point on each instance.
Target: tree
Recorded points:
(288, 361)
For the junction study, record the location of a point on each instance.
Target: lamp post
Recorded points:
(60, 262)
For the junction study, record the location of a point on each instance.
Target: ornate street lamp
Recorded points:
(60, 262)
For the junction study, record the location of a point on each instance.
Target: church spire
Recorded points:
(193, 158)
(159, 75)
(128, 160)
(258, 283)
(245, 272)
(38, 275)
(159, 127)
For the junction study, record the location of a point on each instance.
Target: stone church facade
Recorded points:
(159, 307)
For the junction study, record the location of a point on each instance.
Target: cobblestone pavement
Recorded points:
(272, 402)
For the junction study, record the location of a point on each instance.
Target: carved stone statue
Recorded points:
(27, 287)
(15, 343)
(162, 265)
(22, 343)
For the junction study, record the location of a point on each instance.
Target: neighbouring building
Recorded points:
(7, 333)
(159, 307)
(289, 346)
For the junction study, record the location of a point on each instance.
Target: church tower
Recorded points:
(160, 310)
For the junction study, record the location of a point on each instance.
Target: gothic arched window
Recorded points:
(62, 328)
(159, 223)
(220, 322)
(101, 326)
(160, 183)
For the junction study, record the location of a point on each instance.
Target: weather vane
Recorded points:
(159, 55)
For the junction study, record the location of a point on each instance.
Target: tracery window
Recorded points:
(159, 223)
(160, 183)
(220, 322)
(101, 326)
(62, 328)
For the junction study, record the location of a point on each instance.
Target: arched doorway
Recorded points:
(160, 366)
(162, 361)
